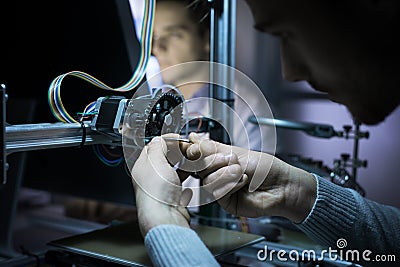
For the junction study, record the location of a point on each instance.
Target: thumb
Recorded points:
(186, 197)
(202, 148)
(194, 138)
(156, 148)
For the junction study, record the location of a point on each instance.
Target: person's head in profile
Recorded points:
(181, 34)
(348, 49)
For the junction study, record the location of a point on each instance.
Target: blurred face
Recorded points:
(338, 49)
(176, 39)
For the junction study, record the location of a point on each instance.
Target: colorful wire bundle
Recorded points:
(88, 111)
(54, 96)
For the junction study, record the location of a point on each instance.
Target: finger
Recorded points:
(261, 170)
(215, 146)
(156, 146)
(157, 160)
(230, 188)
(153, 174)
(142, 159)
(202, 148)
(173, 150)
(186, 196)
(223, 175)
(223, 180)
(194, 137)
(156, 153)
(204, 166)
(193, 152)
(184, 147)
(214, 162)
(158, 150)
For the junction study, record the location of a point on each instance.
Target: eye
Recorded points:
(175, 34)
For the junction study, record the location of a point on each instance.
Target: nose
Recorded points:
(294, 68)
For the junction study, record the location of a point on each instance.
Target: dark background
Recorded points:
(43, 39)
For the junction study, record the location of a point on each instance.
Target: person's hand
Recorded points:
(158, 190)
(263, 186)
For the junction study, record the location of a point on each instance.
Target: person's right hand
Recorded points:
(262, 186)
(160, 198)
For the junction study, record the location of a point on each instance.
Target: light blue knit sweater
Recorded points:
(337, 213)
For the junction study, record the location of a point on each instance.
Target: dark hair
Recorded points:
(199, 11)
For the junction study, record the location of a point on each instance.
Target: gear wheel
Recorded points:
(165, 116)
(152, 115)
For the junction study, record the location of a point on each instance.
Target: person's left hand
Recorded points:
(158, 189)
(251, 183)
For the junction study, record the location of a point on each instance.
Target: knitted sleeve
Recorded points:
(171, 245)
(342, 213)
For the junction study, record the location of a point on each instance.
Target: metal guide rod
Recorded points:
(313, 129)
(27, 137)
(222, 50)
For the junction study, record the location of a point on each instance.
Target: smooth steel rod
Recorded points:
(27, 137)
